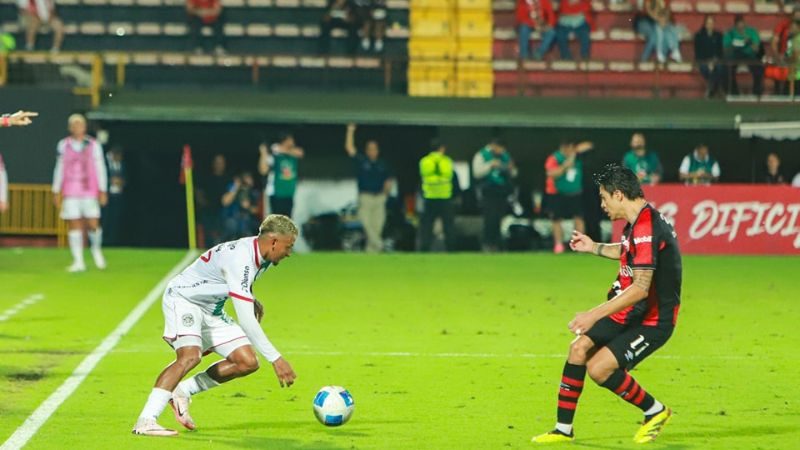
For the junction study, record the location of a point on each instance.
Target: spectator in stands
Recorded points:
(742, 45)
(780, 48)
(773, 174)
(699, 167)
(80, 189)
(709, 57)
(374, 184)
(34, 14)
(3, 186)
(436, 171)
(240, 207)
(643, 162)
(112, 215)
(574, 16)
(564, 188)
(371, 16)
(211, 188)
(656, 25)
(793, 53)
(206, 13)
(279, 164)
(339, 14)
(535, 15)
(494, 172)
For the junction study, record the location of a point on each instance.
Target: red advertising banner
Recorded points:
(730, 218)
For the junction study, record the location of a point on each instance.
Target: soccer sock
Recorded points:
(196, 384)
(568, 394)
(622, 383)
(156, 403)
(75, 238)
(96, 239)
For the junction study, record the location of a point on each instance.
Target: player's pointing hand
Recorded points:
(284, 372)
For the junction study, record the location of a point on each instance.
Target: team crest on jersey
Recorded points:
(187, 319)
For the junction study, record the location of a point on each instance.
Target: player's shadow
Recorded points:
(738, 431)
(258, 442)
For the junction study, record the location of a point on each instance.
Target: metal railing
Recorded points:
(31, 213)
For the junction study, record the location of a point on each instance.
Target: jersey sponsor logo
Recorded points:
(639, 240)
(187, 319)
(232, 245)
(626, 271)
(245, 284)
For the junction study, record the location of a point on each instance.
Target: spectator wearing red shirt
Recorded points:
(779, 44)
(34, 13)
(202, 13)
(574, 16)
(535, 15)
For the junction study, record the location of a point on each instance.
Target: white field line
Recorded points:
(27, 301)
(32, 424)
(495, 355)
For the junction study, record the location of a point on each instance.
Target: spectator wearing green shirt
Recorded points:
(742, 45)
(699, 167)
(643, 162)
(279, 164)
(564, 188)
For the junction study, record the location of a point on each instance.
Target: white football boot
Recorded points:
(149, 427)
(180, 406)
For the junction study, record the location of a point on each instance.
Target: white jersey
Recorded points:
(228, 270)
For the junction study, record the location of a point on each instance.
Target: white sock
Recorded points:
(655, 409)
(75, 238)
(156, 403)
(96, 239)
(564, 428)
(197, 384)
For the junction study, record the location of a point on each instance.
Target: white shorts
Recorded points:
(188, 325)
(73, 208)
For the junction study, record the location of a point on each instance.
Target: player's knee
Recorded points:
(189, 361)
(577, 353)
(248, 365)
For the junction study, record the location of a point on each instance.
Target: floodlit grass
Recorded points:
(439, 351)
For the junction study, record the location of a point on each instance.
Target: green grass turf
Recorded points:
(440, 352)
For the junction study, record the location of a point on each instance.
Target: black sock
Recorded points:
(569, 391)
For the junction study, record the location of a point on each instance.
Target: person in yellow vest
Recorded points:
(436, 172)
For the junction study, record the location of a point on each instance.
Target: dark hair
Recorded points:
(498, 142)
(435, 144)
(738, 18)
(614, 177)
(283, 136)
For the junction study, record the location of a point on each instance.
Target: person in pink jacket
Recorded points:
(80, 183)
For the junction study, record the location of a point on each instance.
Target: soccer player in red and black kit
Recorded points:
(638, 317)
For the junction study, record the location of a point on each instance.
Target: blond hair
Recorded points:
(278, 224)
(74, 117)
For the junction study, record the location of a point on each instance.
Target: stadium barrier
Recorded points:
(730, 218)
(31, 213)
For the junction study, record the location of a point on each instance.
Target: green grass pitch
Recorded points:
(439, 351)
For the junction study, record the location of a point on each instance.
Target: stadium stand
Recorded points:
(433, 48)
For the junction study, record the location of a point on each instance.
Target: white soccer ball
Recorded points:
(333, 406)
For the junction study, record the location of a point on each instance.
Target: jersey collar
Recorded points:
(256, 254)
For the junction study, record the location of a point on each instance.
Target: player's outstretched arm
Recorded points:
(584, 244)
(18, 119)
(246, 313)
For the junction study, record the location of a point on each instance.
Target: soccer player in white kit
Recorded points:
(80, 183)
(195, 323)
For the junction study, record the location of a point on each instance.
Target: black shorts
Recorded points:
(563, 206)
(630, 344)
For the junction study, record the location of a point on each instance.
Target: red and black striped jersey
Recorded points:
(650, 243)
